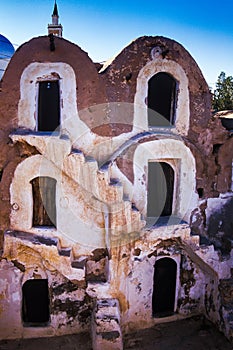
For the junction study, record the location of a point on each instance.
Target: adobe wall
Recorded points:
(197, 149)
(121, 76)
(89, 91)
(117, 82)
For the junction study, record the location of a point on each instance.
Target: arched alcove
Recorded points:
(179, 157)
(160, 189)
(44, 201)
(33, 177)
(161, 100)
(163, 72)
(48, 114)
(164, 288)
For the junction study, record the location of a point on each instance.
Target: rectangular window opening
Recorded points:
(162, 100)
(44, 201)
(35, 305)
(160, 190)
(48, 106)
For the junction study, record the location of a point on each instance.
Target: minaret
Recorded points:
(55, 28)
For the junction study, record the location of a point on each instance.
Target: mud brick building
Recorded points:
(116, 192)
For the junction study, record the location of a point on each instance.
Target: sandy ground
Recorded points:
(189, 334)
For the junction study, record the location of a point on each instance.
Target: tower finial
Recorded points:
(55, 10)
(55, 28)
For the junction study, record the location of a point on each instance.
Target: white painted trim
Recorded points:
(182, 110)
(21, 189)
(175, 166)
(37, 98)
(73, 222)
(179, 156)
(177, 260)
(71, 124)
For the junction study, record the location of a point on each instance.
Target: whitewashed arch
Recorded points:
(21, 189)
(72, 222)
(35, 72)
(175, 153)
(176, 258)
(146, 73)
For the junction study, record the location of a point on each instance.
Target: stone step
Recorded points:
(95, 264)
(46, 248)
(105, 326)
(63, 248)
(125, 217)
(78, 262)
(85, 171)
(109, 190)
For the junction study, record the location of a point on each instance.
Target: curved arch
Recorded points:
(37, 72)
(44, 201)
(182, 109)
(160, 187)
(179, 157)
(21, 189)
(164, 289)
(71, 212)
(161, 101)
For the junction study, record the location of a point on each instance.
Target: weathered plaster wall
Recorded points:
(70, 306)
(219, 222)
(77, 219)
(175, 153)
(123, 72)
(160, 64)
(94, 209)
(224, 158)
(30, 256)
(11, 296)
(132, 273)
(88, 91)
(125, 81)
(130, 70)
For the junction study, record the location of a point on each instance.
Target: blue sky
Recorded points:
(103, 28)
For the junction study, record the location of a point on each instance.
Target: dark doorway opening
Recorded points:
(164, 290)
(162, 89)
(44, 201)
(35, 306)
(49, 106)
(160, 189)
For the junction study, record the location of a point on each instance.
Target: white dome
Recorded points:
(6, 52)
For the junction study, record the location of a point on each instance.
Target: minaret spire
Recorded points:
(55, 28)
(55, 15)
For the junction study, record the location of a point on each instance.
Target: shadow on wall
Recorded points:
(220, 227)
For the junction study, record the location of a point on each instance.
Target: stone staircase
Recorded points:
(104, 194)
(23, 249)
(91, 267)
(123, 215)
(29, 249)
(105, 326)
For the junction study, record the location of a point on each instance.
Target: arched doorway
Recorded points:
(44, 201)
(35, 306)
(162, 89)
(160, 189)
(164, 289)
